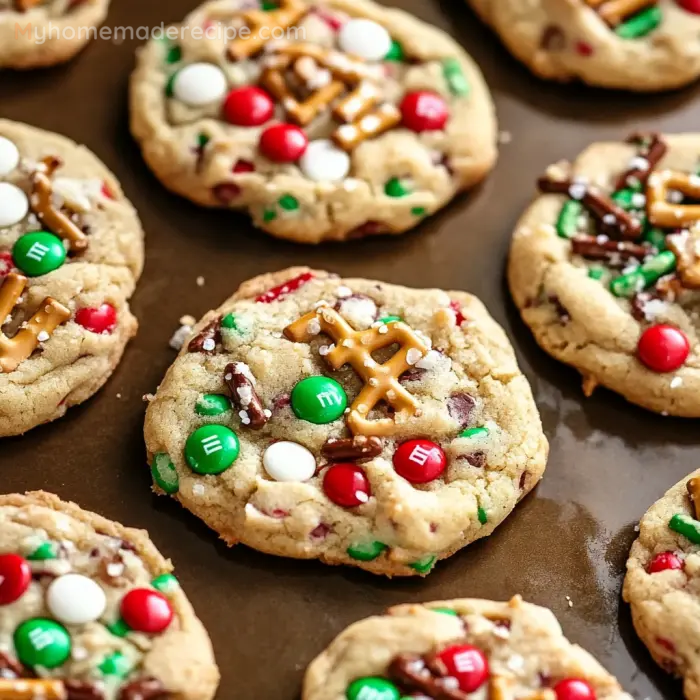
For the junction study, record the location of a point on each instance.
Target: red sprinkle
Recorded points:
(419, 461)
(100, 320)
(663, 348)
(283, 143)
(243, 166)
(248, 106)
(692, 6)
(15, 577)
(664, 561)
(147, 611)
(106, 192)
(346, 485)
(6, 264)
(424, 111)
(459, 316)
(583, 48)
(283, 289)
(467, 664)
(574, 689)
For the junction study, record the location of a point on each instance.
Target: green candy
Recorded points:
(42, 642)
(395, 53)
(454, 75)
(367, 551)
(631, 283)
(269, 5)
(212, 405)
(269, 215)
(203, 140)
(480, 432)
(288, 203)
(115, 664)
(212, 449)
(229, 322)
(396, 188)
(445, 611)
(372, 688)
(625, 198)
(169, 85)
(656, 237)
(118, 628)
(422, 566)
(596, 273)
(567, 221)
(481, 514)
(418, 211)
(641, 24)
(38, 253)
(319, 400)
(165, 583)
(390, 319)
(47, 550)
(173, 54)
(685, 525)
(164, 473)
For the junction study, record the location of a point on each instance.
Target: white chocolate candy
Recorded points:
(74, 599)
(289, 461)
(14, 204)
(9, 156)
(365, 39)
(199, 84)
(323, 161)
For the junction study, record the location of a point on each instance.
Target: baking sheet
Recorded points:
(566, 544)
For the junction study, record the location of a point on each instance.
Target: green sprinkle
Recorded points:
(567, 222)
(686, 526)
(367, 551)
(164, 473)
(212, 405)
(173, 54)
(641, 24)
(596, 273)
(481, 513)
(115, 664)
(456, 80)
(119, 628)
(480, 432)
(288, 203)
(445, 611)
(424, 565)
(269, 215)
(165, 583)
(203, 140)
(48, 550)
(656, 237)
(396, 188)
(395, 52)
(390, 319)
(631, 283)
(229, 321)
(418, 211)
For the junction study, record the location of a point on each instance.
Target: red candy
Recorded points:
(283, 143)
(15, 577)
(692, 6)
(584, 49)
(243, 166)
(419, 461)
(346, 485)
(100, 320)
(459, 316)
(424, 111)
(147, 611)
(248, 106)
(664, 561)
(574, 689)
(663, 348)
(283, 289)
(6, 264)
(467, 664)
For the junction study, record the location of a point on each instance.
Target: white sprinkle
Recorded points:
(430, 361)
(639, 163)
(198, 490)
(515, 662)
(200, 281)
(569, 601)
(348, 343)
(43, 336)
(115, 569)
(180, 336)
(413, 355)
(343, 292)
(79, 653)
(326, 349)
(245, 419)
(636, 528)
(577, 191)
(373, 381)
(313, 327)
(383, 329)
(268, 412)
(676, 382)
(209, 344)
(369, 362)
(638, 200)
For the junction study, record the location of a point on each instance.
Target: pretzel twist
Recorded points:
(616, 11)
(46, 319)
(381, 381)
(22, 689)
(663, 213)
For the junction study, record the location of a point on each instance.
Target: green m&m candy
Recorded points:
(115, 664)
(165, 474)
(46, 550)
(424, 565)
(319, 400)
(372, 689)
(212, 405)
(42, 642)
(366, 551)
(211, 449)
(38, 253)
(165, 583)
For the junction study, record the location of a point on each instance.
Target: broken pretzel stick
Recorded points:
(663, 213)
(207, 339)
(358, 103)
(239, 380)
(37, 330)
(686, 246)
(56, 221)
(643, 164)
(616, 11)
(693, 487)
(25, 689)
(344, 68)
(602, 248)
(357, 449)
(349, 136)
(381, 381)
(412, 672)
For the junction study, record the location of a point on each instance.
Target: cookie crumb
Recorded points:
(200, 281)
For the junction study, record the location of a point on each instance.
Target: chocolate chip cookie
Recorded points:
(324, 120)
(351, 421)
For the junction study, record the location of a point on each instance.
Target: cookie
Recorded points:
(604, 271)
(37, 33)
(641, 45)
(350, 421)
(451, 649)
(662, 568)
(90, 609)
(354, 120)
(71, 250)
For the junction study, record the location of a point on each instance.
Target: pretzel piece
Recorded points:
(47, 318)
(616, 11)
(341, 66)
(355, 348)
(686, 246)
(358, 103)
(264, 23)
(663, 213)
(654, 149)
(350, 136)
(56, 221)
(693, 487)
(24, 5)
(21, 689)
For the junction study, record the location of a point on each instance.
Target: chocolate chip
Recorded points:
(523, 478)
(476, 459)
(460, 407)
(553, 38)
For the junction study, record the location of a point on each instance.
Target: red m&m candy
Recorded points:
(664, 561)
(346, 485)
(102, 319)
(663, 348)
(692, 6)
(283, 143)
(15, 577)
(248, 106)
(467, 664)
(574, 689)
(147, 611)
(424, 111)
(419, 461)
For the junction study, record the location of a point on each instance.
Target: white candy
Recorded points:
(74, 599)
(199, 84)
(323, 161)
(365, 39)
(9, 156)
(289, 461)
(14, 204)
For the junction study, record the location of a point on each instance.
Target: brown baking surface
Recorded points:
(269, 617)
